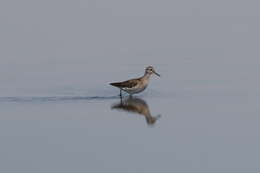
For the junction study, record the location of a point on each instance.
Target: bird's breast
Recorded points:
(134, 90)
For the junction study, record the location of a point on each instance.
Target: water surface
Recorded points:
(58, 113)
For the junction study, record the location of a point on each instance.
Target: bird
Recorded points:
(137, 85)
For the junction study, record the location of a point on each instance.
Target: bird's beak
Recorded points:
(157, 74)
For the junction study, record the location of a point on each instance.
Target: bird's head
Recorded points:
(150, 70)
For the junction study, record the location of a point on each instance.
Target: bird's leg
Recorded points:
(121, 100)
(120, 94)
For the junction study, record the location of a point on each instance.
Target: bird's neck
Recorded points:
(146, 76)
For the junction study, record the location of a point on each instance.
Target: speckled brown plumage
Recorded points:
(137, 85)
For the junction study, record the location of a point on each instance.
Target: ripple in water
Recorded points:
(54, 98)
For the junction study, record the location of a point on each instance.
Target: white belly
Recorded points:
(134, 90)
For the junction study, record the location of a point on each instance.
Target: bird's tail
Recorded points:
(116, 84)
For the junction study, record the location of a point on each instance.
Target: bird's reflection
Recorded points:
(138, 106)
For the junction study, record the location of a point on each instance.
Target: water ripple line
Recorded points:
(55, 98)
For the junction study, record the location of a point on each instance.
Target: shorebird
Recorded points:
(137, 85)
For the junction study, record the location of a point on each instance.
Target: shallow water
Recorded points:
(192, 131)
(58, 113)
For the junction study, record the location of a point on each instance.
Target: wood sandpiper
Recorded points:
(137, 85)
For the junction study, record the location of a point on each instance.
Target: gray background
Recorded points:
(207, 53)
(57, 43)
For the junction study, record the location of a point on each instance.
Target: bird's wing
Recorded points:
(126, 84)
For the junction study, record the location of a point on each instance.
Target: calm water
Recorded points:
(59, 115)
(193, 127)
